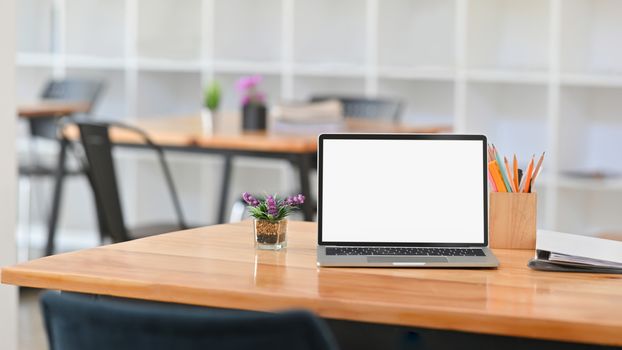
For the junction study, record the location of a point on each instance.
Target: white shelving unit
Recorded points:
(533, 75)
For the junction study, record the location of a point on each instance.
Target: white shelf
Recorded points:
(406, 29)
(253, 35)
(26, 59)
(607, 184)
(329, 31)
(590, 36)
(93, 62)
(329, 70)
(168, 65)
(508, 34)
(533, 75)
(247, 67)
(307, 86)
(425, 101)
(596, 80)
(418, 73)
(507, 76)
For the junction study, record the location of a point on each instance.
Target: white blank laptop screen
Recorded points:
(403, 191)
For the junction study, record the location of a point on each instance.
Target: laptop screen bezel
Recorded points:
(320, 167)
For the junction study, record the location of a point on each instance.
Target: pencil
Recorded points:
(537, 171)
(504, 176)
(516, 173)
(507, 169)
(491, 181)
(493, 169)
(526, 188)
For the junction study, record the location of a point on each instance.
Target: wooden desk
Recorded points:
(186, 131)
(47, 108)
(218, 266)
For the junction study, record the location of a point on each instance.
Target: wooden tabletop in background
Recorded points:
(187, 131)
(218, 266)
(47, 108)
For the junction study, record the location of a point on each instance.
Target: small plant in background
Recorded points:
(248, 87)
(272, 208)
(211, 98)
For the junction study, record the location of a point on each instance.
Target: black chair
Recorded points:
(46, 128)
(100, 168)
(81, 322)
(363, 107)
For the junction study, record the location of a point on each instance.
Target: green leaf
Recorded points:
(212, 96)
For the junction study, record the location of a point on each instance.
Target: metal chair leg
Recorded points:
(58, 188)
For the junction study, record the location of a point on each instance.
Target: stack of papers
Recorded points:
(558, 251)
(308, 118)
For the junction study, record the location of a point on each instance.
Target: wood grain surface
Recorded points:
(187, 131)
(218, 266)
(51, 108)
(513, 220)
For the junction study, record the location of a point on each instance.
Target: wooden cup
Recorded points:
(512, 222)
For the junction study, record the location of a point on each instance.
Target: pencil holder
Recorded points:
(512, 220)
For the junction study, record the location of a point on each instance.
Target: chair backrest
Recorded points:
(362, 107)
(100, 169)
(67, 90)
(78, 322)
(102, 176)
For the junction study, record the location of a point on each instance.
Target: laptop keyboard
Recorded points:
(404, 251)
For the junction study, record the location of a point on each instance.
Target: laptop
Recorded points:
(403, 200)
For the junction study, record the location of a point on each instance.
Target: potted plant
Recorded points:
(253, 103)
(270, 219)
(211, 102)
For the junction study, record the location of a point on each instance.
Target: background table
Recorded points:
(218, 266)
(47, 108)
(185, 133)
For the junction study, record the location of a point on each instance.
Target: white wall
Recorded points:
(8, 295)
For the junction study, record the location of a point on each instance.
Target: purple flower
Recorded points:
(295, 200)
(249, 199)
(253, 97)
(301, 198)
(247, 83)
(248, 88)
(272, 207)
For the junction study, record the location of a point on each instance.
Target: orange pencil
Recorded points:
(516, 173)
(493, 168)
(528, 179)
(507, 169)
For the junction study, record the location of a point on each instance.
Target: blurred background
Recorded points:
(532, 75)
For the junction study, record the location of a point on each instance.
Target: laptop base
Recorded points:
(489, 260)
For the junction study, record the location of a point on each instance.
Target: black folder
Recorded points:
(542, 263)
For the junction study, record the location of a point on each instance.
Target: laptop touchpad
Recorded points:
(406, 259)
